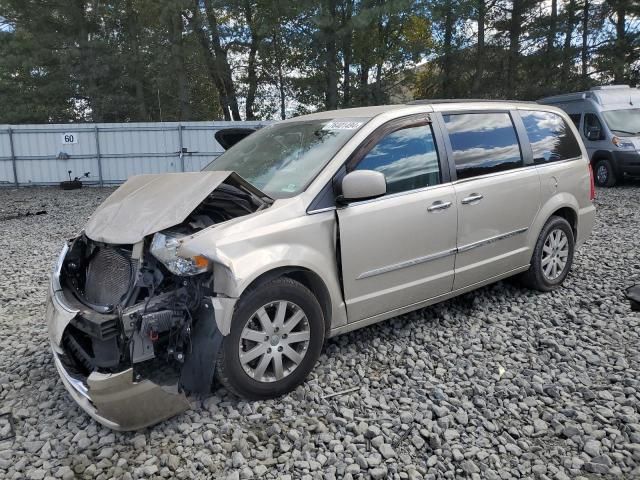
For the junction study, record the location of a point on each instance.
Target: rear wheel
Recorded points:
(275, 340)
(552, 256)
(604, 173)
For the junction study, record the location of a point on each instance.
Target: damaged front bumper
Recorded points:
(114, 400)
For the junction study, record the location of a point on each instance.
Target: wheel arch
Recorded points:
(601, 155)
(563, 205)
(570, 215)
(606, 155)
(306, 277)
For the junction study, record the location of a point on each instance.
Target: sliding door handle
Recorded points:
(473, 198)
(438, 205)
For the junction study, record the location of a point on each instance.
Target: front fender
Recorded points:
(240, 257)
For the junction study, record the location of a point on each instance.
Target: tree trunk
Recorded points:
(86, 71)
(620, 55)
(480, 53)
(252, 75)
(584, 52)
(283, 111)
(515, 30)
(567, 56)
(177, 55)
(364, 84)
(277, 54)
(446, 58)
(210, 60)
(553, 27)
(137, 69)
(378, 91)
(222, 62)
(331, 97)
(347, 53)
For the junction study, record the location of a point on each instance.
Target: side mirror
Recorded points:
(363, 185)
(593, 133)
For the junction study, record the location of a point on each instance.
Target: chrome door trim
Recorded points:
(438, 255)
(407, 263)
(321, 210)
(474, 197)
(487, 241)
(438, 205)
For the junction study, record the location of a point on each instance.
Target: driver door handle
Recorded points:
(438, 205)
(474, 197)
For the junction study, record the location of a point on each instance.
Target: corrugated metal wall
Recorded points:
(111, 152)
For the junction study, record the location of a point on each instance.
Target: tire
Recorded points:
(604, 174)
(71, 185)
(537, 277)
(244, 379)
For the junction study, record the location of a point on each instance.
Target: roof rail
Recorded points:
(610, 87)
(427, 101)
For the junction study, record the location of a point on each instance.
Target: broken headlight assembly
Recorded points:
(164, 247)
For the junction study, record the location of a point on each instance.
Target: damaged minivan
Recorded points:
(306, 229)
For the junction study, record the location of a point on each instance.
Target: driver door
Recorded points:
(399, 249)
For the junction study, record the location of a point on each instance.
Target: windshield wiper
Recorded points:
(624, 131)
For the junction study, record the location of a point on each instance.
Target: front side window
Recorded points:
(407, 157)
(623, 122)
(575, 118)
(550, 137)
(283, 159)
(591, 121)
(483, 143)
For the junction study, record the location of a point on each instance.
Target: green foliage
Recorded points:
(150, 60)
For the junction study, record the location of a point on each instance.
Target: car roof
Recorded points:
(437, 104)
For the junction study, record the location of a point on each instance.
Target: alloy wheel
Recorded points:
(274, 341)
(602, 174)
(555, 254)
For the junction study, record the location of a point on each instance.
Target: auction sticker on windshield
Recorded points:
(342, 125)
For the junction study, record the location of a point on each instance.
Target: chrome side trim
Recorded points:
(438, 255)
(320, 210)
(487, 241)
(407, 263)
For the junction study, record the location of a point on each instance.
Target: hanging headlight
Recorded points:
(165, 248)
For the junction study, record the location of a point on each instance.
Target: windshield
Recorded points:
(283, 159)
(623, 122)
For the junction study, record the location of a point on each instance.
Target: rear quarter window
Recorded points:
(550, 137)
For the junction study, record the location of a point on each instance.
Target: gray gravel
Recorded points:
(500, 383)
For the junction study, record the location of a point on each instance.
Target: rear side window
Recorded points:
(551, 138)
(407, 157)
(483, 143)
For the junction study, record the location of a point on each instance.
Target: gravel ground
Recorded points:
(500, 383)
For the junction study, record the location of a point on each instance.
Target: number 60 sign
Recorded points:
(69, 138)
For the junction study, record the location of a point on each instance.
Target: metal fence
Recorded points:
(110, 152)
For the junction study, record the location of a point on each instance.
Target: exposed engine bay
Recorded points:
(140, 305)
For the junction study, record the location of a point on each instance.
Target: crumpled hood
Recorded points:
(147, 204)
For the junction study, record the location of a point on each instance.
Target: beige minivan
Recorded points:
(306, 229)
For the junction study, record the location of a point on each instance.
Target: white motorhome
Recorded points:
(608, 119)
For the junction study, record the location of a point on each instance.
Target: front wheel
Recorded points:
(276, 337)
(604, 173)
(552, 256)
